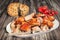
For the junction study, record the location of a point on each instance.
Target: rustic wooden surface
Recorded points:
(33, 4)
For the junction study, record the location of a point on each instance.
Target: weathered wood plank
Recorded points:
(2, 19)
(9, 19)
(4, 36)
(34, 4)
(1, 34)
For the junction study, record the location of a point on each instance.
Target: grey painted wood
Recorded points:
(33, 4)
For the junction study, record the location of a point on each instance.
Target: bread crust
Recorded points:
(13, 9)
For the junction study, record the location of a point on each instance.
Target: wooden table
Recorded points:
(33, 4)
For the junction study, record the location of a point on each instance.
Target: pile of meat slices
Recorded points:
(32, 23)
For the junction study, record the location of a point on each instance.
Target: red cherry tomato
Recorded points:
(45, 8)
(53, 13)
(56, 12)
(42, 8)
(46, 11)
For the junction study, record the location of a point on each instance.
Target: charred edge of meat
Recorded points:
(15, 26)
(35, 16)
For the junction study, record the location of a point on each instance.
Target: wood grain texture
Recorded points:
(33, 4)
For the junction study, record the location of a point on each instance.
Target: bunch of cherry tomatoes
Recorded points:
(45, 10)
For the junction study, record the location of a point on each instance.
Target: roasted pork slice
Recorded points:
(19, 20)
(39, 19)
(36, 29)
(50, 24)
(44, 28)
(34, 22)
(25, 27)
(28, 17)
(51, 18)
(15, 28)
(40, 15)
(12, 26)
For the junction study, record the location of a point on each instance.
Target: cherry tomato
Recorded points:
(53, 13)
(46, 12)
(45, 8)
(42, 8)
(56, 12)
